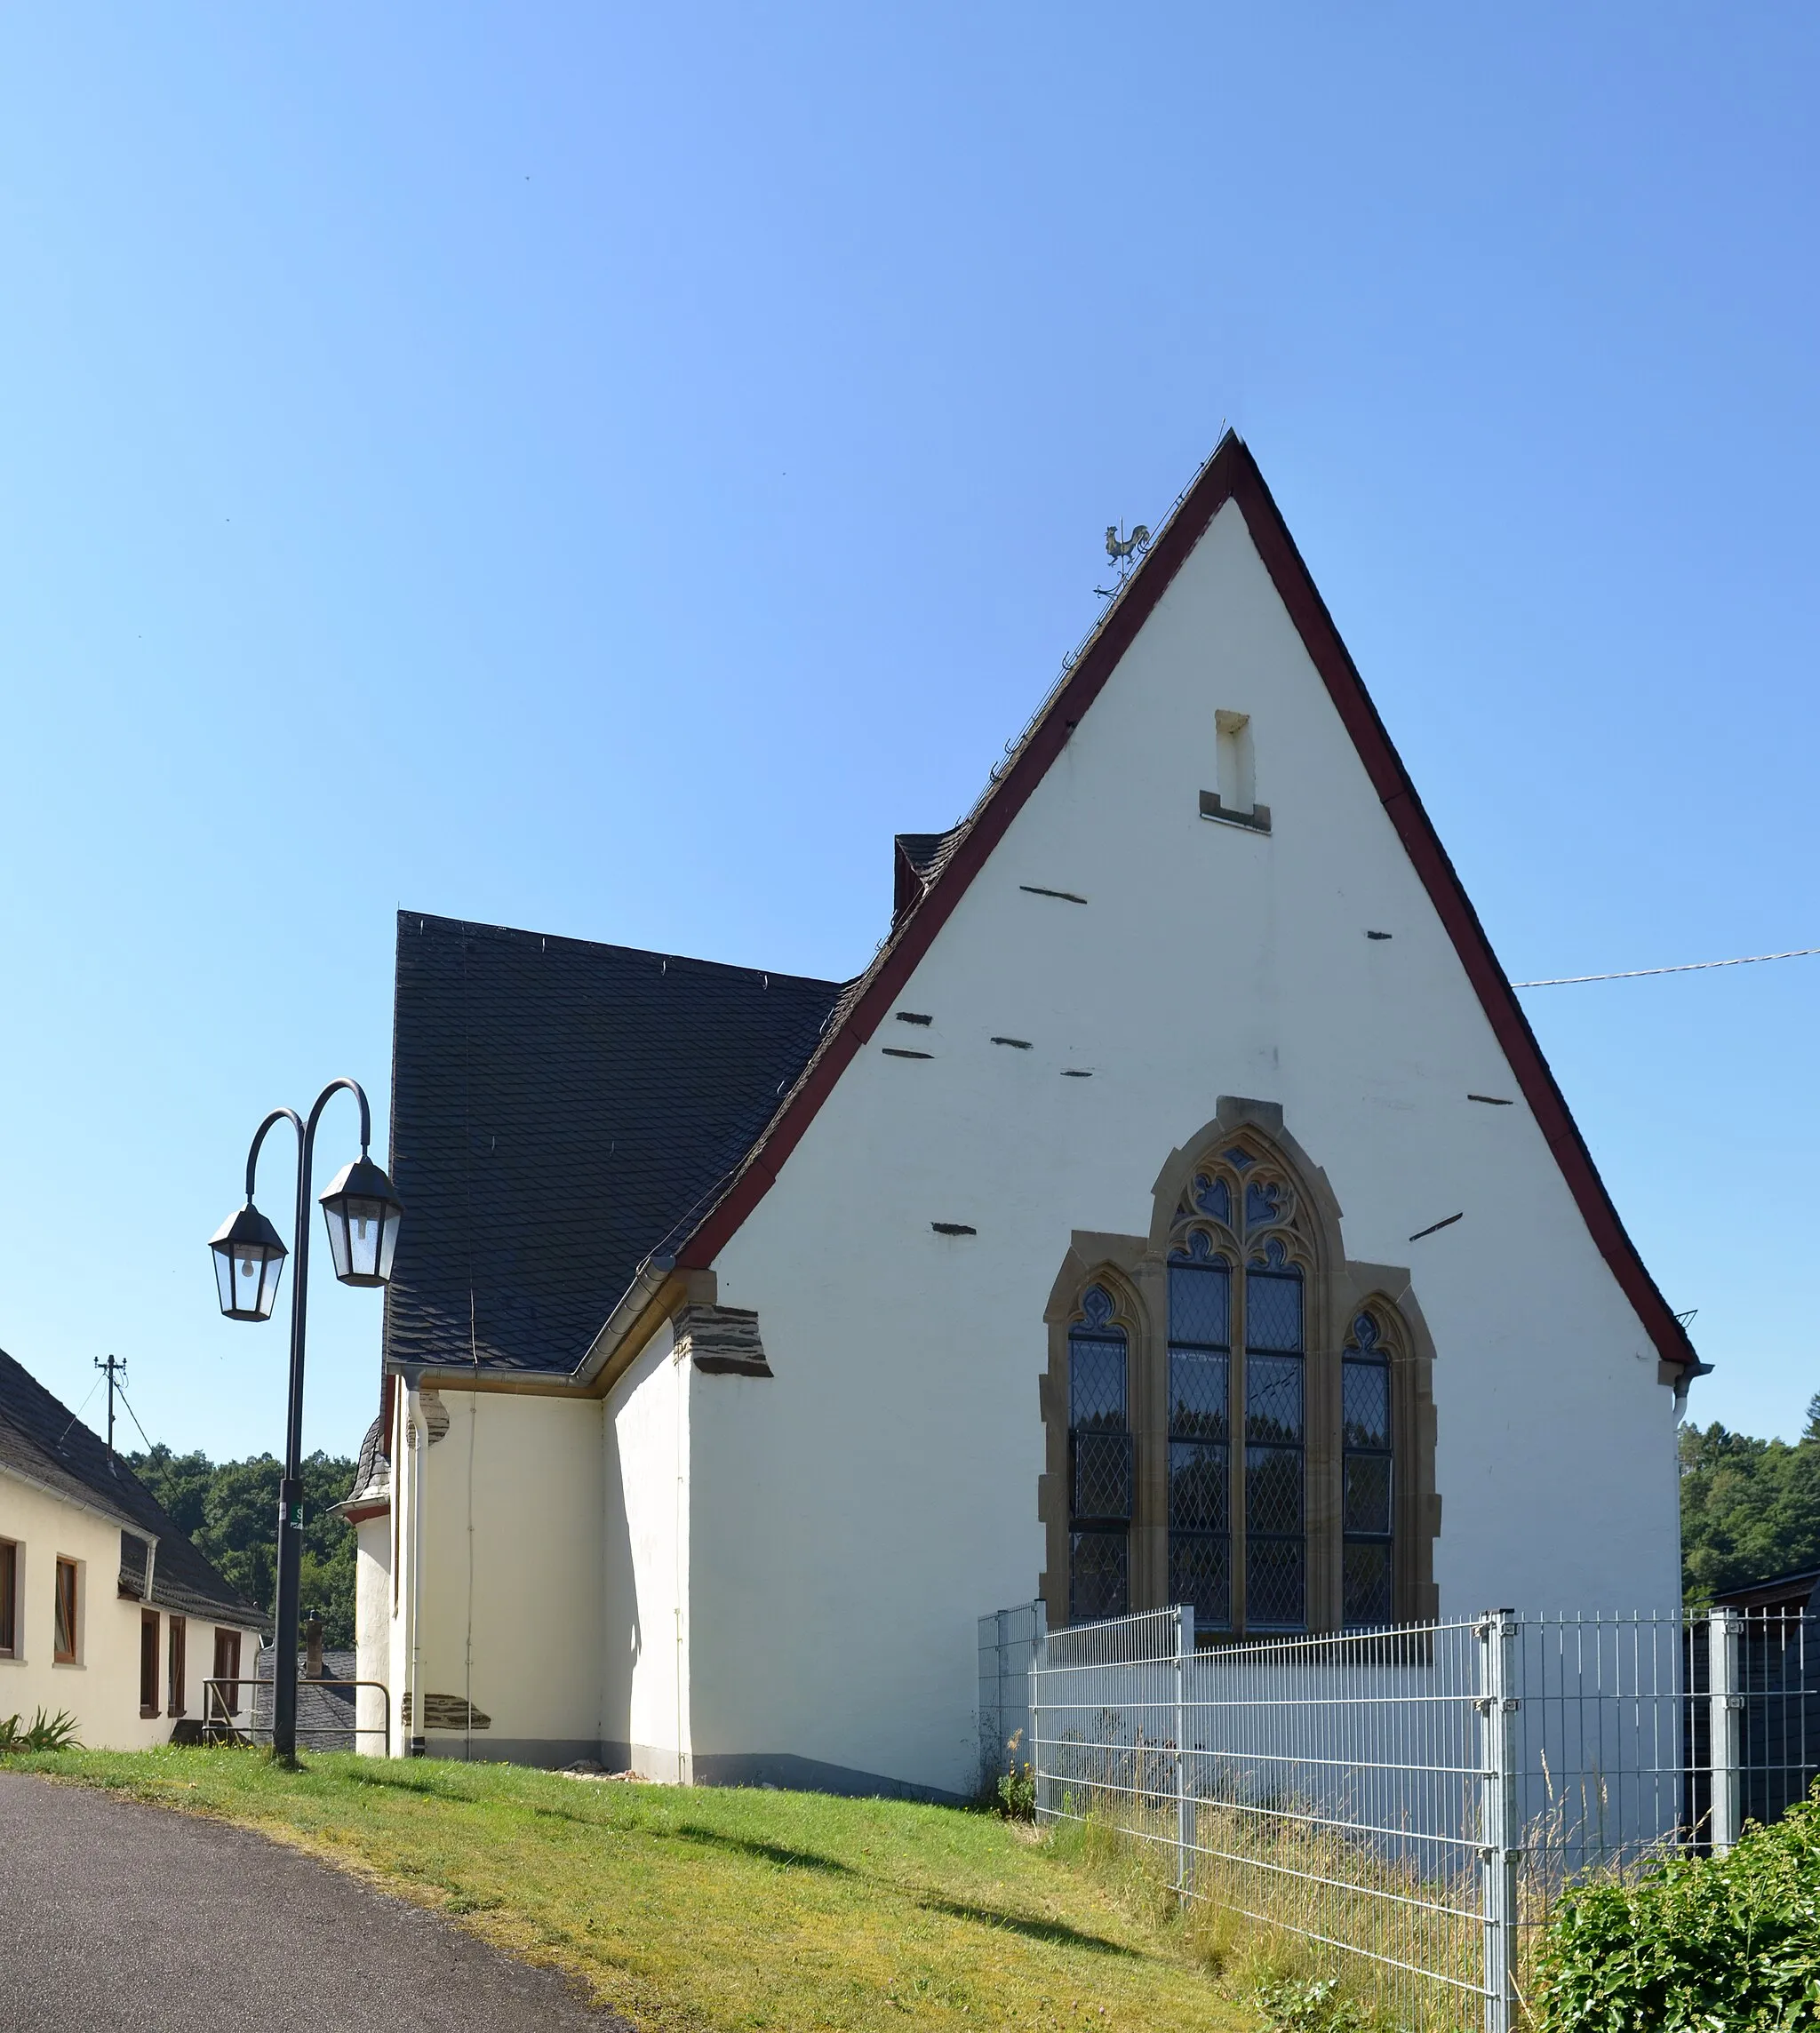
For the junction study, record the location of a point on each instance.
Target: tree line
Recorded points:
(230, 1511)
(1750, 1507)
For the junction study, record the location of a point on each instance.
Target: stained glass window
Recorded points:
(1099, 1462)
(1275, 1443)
(1201, 1313)
(1368, 1458)
(1233, 1478)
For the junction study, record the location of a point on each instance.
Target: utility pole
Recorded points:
(114, 1364)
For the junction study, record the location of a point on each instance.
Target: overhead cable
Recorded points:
(1686, 967)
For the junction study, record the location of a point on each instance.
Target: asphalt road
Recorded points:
(120, 1918)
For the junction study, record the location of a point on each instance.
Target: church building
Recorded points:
(1177, 1209)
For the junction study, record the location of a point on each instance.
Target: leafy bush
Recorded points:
(1727, 1942)
(42, 1732)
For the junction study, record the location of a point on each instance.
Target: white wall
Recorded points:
(865, 1504)
(646, 1443)
(372, 1614)
(101, 1689)
(512, 1588)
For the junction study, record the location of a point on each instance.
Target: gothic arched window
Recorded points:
(1099, 1461)
(1237, 1418)
(1243, 1373)
(1368, 1457)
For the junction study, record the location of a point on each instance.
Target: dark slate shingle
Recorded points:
(559, 1108)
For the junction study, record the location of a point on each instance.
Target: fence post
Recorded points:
(1726, 1705)
(1185, 1792)
(1039, 1659)
(1497, 1812)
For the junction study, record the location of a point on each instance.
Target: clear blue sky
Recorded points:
(603, 469)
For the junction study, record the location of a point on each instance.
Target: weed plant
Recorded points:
(42, 1732)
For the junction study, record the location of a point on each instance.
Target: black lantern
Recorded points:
(362, 1213)
(248, 1260)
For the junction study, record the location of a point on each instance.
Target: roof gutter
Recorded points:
(656, 1290)
(649, 1283)
(118, 1518)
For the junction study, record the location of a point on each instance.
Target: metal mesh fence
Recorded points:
(1409, 1803)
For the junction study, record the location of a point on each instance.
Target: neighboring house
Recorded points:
(1783, 1595)
(1178, 1208)
(106, 1610)
(325, 1713)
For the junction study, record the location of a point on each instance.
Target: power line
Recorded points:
(78, 1414)
(1686, 967)
(133, 1416)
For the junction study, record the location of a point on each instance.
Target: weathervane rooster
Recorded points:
(1123, 550)
(1119, 547)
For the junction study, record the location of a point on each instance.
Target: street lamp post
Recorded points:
(363, 1214)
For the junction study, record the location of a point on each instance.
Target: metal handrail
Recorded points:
(228, 1718)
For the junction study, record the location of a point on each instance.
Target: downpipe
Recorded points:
(421, 1454)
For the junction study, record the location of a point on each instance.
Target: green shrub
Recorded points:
(1721, 1943)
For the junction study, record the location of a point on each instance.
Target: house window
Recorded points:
(68, 1605)
(1099, 1461)
(173, 1686)
(9, 1599)
(225, 1700)
(1367, 1464)
(149, 1662)
(1201, 1362)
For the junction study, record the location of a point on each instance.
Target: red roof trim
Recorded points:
(1231, 475)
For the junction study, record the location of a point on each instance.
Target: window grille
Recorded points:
(1367, 1467)
(1201, 1308)
(1275, 1524)
(1236, 1361)
(1099, 1462)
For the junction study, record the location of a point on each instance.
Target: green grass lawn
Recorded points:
(722, 1908)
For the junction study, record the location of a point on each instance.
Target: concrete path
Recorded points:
(120, 1918)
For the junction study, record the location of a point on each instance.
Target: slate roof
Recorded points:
(920, 858)
(325, 1716)
(1789, 1593)
(560, 1110)
(41, 1440)
(372, 1473)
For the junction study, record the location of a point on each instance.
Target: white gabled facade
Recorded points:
(775, 1576)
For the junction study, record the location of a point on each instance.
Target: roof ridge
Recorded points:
(570, 942)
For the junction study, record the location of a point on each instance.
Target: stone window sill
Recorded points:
(1256, 820)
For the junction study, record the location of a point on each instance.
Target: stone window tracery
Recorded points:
(1240, 1419)
(1253, 1269)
